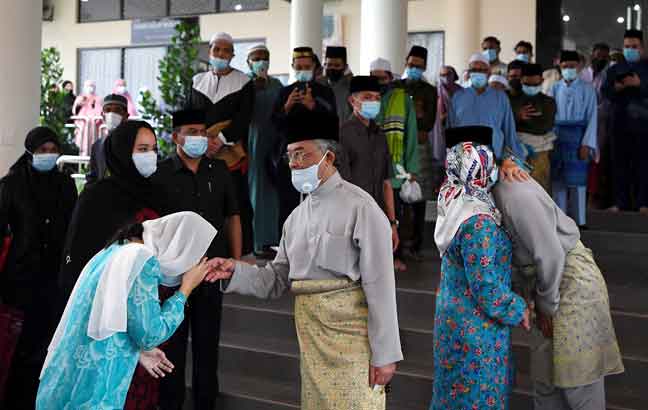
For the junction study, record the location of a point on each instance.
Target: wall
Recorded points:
(509, 20)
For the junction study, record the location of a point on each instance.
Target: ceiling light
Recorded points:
(566, 18)
(620, 20)
(238, 7)
(637, 7)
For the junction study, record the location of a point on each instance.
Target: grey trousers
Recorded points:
(550, 397)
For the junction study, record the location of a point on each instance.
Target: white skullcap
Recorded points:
(221, 36)
(258, 47)
(498, 79)
(478, 57)
(380, 64)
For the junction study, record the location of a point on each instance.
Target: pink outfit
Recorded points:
(132, 108)
(91, 107)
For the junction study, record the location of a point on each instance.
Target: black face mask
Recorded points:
(599, 65)
(516, 84)
(334, 74)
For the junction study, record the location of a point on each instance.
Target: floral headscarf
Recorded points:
(471, 174)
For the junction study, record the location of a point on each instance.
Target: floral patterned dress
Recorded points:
(89, 374)
(475, 309)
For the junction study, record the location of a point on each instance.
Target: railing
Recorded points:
(79, 160)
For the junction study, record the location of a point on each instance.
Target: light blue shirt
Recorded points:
(490, 109)
(577, 102)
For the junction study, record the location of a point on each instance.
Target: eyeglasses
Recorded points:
(297, 157)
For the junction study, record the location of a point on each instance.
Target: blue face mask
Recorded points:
(632, 55)
(531, 90)
(219, 64)
(569, 74)
(370, 109)
(414, 73)
(307, 180)
(44, 162)
(522, 57)
(304, 76)
(195, 146)
(260, 68)
(478, 80)
(146, 163)
(490, 54)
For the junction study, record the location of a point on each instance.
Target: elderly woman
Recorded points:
(114, 311)
(475, 307)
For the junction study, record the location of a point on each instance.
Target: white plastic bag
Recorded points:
(411, 192)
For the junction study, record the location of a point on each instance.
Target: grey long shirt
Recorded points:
(338, 231)
(542, 236)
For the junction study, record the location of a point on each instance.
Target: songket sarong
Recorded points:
(566, 166)
(331, 320)
(584, 342)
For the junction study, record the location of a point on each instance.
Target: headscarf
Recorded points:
(471, 174)
(119, 152)
(117, 89)
(35, 138)
(436, 137)
(178, 241)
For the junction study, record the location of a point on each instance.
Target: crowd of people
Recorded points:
(329, 178)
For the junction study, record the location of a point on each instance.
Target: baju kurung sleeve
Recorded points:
(411, 160)
(150, 324)
(510, 134)
(590, 139)
(497, 301)
(269, 282)
(372, 234)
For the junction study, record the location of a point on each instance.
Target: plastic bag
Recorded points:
(411, 192)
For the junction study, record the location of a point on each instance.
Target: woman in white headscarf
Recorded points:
(475, 306)
(114, 311)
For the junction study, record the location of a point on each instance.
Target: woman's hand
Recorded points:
(509, 171)
(155, 362)
(221, 269)
(526, 320)
(194, 277)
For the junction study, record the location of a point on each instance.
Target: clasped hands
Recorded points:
(220, 269)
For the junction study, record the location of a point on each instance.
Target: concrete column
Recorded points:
(20, 42)
(383, 26)
(306, 24)
(462, 33)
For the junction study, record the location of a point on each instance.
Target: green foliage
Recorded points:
(52, 99)
(160, 120)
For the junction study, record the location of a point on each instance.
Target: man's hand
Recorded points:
(308, 101)
(381, 376)
(395, 238)
(155, 362)
(220, 269)
(584, 153)
(509, 171)
(295, 97)
(632, 81)
(527, 112)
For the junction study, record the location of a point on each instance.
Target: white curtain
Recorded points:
(434, 42)
(141, 69)
(102, 66)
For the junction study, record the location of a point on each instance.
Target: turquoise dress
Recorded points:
(475, 310)
(88, 374)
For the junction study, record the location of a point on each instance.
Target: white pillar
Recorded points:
(306, 24)
(383, 26)
(462, 34)
(20, 42)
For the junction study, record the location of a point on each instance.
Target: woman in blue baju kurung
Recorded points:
(475, 307)
(114, 312)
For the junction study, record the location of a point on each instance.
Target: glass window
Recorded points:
(141, 69)
(104, 66)
(434, 42)
(586, 22)
(144, 8)
(243, 5)
(99, 10)
(192, 7)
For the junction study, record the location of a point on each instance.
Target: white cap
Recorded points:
(478, 57)
(498, 79)
(258, 47)
(380, 64)
(221, 36)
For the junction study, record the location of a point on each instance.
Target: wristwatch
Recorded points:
(395, 222)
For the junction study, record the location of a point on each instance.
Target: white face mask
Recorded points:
(89, 89)
(112, 120)
(146, 163)
(120, 90)
(307, 180)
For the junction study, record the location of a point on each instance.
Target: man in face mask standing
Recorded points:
(303, 97)
(491, 48)
(114, 113)
(335, 256)
(336, 77)
(188, 181)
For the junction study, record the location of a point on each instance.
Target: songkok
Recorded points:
(478, 57)
(221, 36)
(380, 64)
(361, 83)
(301, 52)
(186, 117)
(529, 70)
(498, 79)
(516, 65)
(633, 33)
(39, 136)
(569, 55)
(311, 125)
(115, 99)
(477, 134)
(418, 51)
(336, 52)
(258, 47)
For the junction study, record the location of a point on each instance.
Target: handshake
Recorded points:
(210, 271)
(220, 268)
